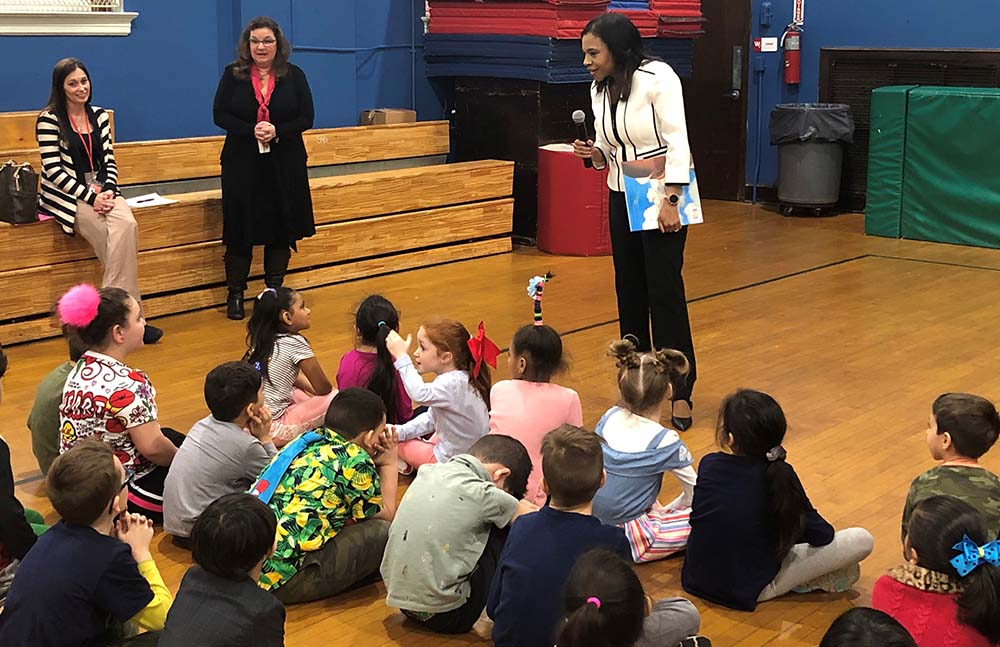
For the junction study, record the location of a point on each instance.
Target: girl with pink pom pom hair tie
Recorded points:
(105, 398)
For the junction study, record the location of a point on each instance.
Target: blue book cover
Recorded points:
(645, 194)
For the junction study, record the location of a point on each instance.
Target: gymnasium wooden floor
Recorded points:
(855, 336)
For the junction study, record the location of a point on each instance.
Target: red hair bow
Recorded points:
(483, 348)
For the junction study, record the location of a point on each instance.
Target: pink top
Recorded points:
(354, 371)
(527, 411)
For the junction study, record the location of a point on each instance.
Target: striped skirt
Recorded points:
(659, 533)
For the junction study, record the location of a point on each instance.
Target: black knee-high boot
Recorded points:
(237, 263)
(276, 258)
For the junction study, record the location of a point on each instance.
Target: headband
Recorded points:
(78, 307)
(595, 601)
(265, 291)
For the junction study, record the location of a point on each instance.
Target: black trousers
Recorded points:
(460, 620)
(650, 288)
(238, 261)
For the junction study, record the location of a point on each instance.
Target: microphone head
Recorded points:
(579, 116)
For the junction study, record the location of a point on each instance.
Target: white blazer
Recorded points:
(647, 123)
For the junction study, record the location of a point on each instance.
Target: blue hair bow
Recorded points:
(972, 555)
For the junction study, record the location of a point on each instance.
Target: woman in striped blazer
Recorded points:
(79, 183)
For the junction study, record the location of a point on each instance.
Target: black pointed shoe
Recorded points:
(234, 306)
(682, 424)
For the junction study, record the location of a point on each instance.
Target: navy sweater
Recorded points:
(526, 597)
(730, 553)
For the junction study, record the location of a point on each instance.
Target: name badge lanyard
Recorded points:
(88, 147)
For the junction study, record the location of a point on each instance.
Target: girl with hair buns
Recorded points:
(105, 398)
(606, 607)
(638, 450)
(754, 533)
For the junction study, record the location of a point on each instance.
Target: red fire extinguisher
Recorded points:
(791, 43)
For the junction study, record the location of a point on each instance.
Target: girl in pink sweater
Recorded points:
(529, 405)
(947, 594)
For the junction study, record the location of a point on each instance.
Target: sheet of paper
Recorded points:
(148, 200)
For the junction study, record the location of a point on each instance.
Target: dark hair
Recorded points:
(353, 412)
(82, 481)
(542, 350)
(244, 61)
(509, 452)
(572, 464)
(617, 622)
(232, 535)
(75, 345)
(230, 388)
(645, 379)
(3, 362)
(449, 336)
(937, 524)
(757, 425)
(375, 319)
(112, 311)
(971, 420)
(624, 44)
(265, 325)
(864, 627)
(57, 96)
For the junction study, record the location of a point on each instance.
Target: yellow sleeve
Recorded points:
(155, 614)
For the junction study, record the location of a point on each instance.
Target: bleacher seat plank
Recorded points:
(46, 327)
(34, 290)
(17, 130)
(197, 216)
(166, 160)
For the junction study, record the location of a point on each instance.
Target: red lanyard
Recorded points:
(263, 114)
(88, 143)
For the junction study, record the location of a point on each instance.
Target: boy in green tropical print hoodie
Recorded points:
(333, 491)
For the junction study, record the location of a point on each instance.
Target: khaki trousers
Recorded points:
(115, 239)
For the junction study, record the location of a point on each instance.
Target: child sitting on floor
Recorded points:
(754, 533)
(296, 390)
(864, 627)
(457, 400)
(219, 603)
(218, 456)
(605, 605)
(333, 491)
(525, 601)
(529, 405)
(639, 450)
(370, 365)
(439, 574)
(948, 591)
(88, 575)
(962, 427)
(43, 421)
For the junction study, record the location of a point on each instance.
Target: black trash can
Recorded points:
(810, 139)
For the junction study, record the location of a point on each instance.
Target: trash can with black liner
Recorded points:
(810, 139)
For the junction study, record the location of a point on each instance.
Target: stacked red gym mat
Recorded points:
(679, 18)
(552, 18)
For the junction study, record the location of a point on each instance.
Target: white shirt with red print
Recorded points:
(105, 398)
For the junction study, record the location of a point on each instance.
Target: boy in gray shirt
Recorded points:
(219, 457)
(449, 530)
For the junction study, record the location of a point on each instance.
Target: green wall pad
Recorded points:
(951, 186)
(883, 207)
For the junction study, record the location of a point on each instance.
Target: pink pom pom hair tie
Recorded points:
(78, 307)
(595, 601)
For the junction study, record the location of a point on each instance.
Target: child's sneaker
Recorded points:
(836, 582)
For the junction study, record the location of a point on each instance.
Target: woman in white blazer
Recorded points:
(639, 113)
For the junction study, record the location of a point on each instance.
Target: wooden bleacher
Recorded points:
(366, 223)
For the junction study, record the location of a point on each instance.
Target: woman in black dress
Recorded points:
(264, 104)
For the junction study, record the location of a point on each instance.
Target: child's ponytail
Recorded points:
(752, 423)
(375, 319)
(89, 314)
(940, 529)
(604, 603)
(265, 325)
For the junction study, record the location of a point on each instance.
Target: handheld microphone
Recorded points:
(580, 119)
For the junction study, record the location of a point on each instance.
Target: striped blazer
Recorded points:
(647, 123)
(60, 188)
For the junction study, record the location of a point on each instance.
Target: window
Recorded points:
(65, 17)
